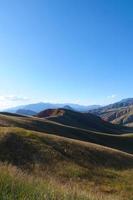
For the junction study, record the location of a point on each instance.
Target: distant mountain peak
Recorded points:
(68, 107)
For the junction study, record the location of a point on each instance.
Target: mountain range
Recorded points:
(38, 107)
(117, 113)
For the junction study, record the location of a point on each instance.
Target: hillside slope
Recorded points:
(117, 113)
(42, 166)
(39, 160)
(81, 120)
(117, 141)
(122, 116)
(22, 147)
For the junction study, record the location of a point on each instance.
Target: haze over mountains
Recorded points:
(38, 107)
(25, 112)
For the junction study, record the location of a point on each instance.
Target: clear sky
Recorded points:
(78, 51)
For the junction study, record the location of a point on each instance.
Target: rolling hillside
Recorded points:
(62, 154)
(81, 130)
(81, 120)
(42, 166)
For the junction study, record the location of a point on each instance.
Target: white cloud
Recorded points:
(113, 96)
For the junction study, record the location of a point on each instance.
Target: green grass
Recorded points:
(16, 185)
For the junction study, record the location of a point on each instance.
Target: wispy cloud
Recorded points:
(12, 100)
(113, 96)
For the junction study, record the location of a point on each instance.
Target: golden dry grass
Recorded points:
(37, 166)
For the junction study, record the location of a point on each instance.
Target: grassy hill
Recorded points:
(81, 120)
(41, 166)
(50, 158)
(114, 139)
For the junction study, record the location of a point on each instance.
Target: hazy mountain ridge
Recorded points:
(25, 112)
(38, 107)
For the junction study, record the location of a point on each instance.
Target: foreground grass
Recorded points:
(16, 185)
(36, 166)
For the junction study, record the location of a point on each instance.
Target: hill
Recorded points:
(117, 113)
(81, 120)
(113, 138)
(22, 147)
(63, 154)
(42, 166)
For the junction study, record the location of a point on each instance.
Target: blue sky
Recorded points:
(78, 51)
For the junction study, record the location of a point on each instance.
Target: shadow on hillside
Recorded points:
(25, 152)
